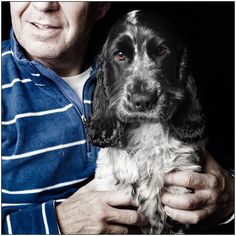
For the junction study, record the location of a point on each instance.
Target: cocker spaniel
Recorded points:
(145, 114)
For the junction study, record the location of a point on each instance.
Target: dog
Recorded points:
(146, 116)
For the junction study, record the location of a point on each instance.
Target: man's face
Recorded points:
(49, 29)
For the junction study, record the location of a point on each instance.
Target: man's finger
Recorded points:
(127, 217)
(186, 217)
(116, 229)
(187, 179)
(184, 201)
(116, 198)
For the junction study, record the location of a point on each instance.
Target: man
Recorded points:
(47, 86)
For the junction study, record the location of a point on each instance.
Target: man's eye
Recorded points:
(120, 56)
(161, 50)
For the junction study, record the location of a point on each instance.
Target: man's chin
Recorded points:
(46, 53)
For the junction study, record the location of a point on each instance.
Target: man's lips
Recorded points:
(45, 26)
(44, 31)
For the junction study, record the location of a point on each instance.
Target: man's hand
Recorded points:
(212, 200)
(92, 212)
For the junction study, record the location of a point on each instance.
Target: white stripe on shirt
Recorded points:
(87, 101)
(36, 75)
(29, 203)
(31, 191)
(45, 219)
(60, 200)
(40, 151)
(9, 224)
(40, 113)
(58, 228)
(15, 81)
(15, 204)
(7, 52)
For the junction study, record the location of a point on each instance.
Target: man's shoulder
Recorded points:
(9, 68)
(6, 46)
(7, 52)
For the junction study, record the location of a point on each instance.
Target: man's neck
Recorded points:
(67, 67)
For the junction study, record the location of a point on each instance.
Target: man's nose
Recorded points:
(45, 6)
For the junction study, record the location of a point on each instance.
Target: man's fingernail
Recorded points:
(133, 202)
(167, 211)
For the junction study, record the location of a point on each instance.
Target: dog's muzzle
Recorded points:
(142, 97)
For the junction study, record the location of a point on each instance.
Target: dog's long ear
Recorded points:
(188, 122)
(104, 129)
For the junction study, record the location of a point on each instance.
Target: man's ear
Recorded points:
(101, 10)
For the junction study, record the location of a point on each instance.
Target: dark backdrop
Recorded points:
(208, 28)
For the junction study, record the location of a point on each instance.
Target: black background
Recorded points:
(208, 28)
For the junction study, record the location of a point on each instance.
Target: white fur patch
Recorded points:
(131, 17)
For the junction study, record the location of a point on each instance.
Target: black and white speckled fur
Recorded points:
(141, 146)
(139, 169)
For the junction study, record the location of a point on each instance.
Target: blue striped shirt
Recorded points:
(45, 154)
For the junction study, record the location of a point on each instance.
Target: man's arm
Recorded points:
(33, 219)
(85, 212)
(212, 201)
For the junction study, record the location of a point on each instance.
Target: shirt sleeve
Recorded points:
(36, 219)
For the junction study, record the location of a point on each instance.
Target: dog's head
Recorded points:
(144, 76)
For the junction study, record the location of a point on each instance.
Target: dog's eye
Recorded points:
(120, 56)
(161, 50)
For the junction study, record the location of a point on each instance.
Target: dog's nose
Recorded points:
(144, 101)
(142, 96)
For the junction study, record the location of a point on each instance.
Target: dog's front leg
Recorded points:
(147, 196)
(104, 177)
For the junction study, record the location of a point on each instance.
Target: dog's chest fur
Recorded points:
(139, 169)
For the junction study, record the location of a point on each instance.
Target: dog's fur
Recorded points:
(145, 111)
